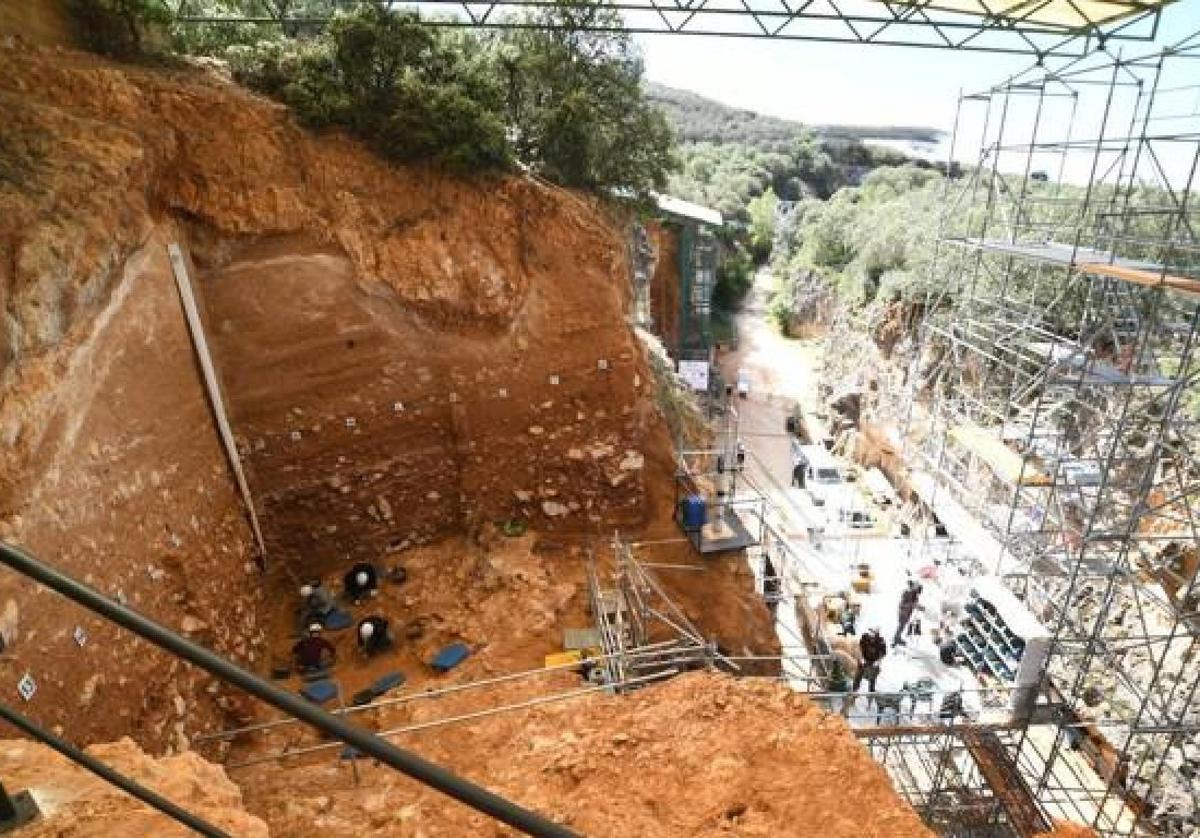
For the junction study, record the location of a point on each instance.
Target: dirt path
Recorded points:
(782, 372)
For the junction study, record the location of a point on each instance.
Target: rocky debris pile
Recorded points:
(703, 754)
(77, 803)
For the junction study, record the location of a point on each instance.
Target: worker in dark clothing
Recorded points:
(318, 603)
(873, 648)
(374, 635)
(313, 652)
(908, 604)
(798, 475)
(361, 581)
(848, 618)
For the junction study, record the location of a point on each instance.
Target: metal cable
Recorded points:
(360, 738)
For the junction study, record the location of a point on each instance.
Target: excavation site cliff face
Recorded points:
(407, 359)
(403, 355)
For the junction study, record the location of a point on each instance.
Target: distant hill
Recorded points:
(698, 119)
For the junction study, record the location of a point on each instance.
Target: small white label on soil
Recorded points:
(295, 436)
(554, 380)
(398, 407)
(502, 393)
(80, 636)
(602, 364)
(27, 686)
(351, 422)
(453, 398)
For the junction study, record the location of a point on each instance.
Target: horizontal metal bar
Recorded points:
(360, 738)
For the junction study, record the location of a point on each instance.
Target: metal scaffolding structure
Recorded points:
(1047, 28)
(1053, 427)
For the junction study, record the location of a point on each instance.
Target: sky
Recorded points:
(846, 83)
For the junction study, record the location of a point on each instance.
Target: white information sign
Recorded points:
(695, 373)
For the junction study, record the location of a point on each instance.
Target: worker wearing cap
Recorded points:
(313, 652)
(873, 648)
(374, 635)
(318, 602)
(361, 581)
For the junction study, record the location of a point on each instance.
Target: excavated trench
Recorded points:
(407, 360)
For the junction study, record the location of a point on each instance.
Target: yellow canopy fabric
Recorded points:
(1006, 463)
(1068, 14)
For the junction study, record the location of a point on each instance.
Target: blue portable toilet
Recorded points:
(695, 512)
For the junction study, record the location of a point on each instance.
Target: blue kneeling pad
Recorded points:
(320, 692)
(450, 657)
(338, 619)
(387, 683)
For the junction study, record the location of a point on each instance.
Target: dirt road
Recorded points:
(782, 372)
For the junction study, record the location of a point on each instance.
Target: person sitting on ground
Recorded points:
(313, 652)
(374, 635)
(361, 581)
(873, 648)
(318, 602)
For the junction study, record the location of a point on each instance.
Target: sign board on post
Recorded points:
(695, 374)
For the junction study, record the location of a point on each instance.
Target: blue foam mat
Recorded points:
(338, 619)
(388, 682)
(320, 692)
(450, 657)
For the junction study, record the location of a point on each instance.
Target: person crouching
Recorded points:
(313, 652)
(374, 635)
(361, 581)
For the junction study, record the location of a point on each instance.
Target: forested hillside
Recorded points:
(729, 156)
(699, 119)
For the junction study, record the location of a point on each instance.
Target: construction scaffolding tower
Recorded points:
(1052, 427)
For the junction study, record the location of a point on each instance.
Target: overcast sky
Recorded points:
(846, 83)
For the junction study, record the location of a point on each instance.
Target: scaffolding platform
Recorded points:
(1005, 463)
(1090, 371)
(1005, 781)
(722, 535)
(962, 525)
(1088, 261)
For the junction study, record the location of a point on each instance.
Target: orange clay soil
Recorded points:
(76, 803)
(702, 754)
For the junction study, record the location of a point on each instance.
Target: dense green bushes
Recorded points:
(867, 244)
(559, 98)
(118, 28)
(411, 91)
(735, 276)
(563, 102)
(728, 176)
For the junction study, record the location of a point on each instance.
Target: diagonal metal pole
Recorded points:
(357, 737)
(109, 774)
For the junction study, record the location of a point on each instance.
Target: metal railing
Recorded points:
(356, 737)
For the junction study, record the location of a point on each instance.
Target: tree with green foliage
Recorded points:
(412, 91)
(118, 28)
(577, 108)
(762, 224)
(560, 98)
(867, 245)
(735, 276)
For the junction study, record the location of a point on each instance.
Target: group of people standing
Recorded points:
(873, 648)
(313, 652)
